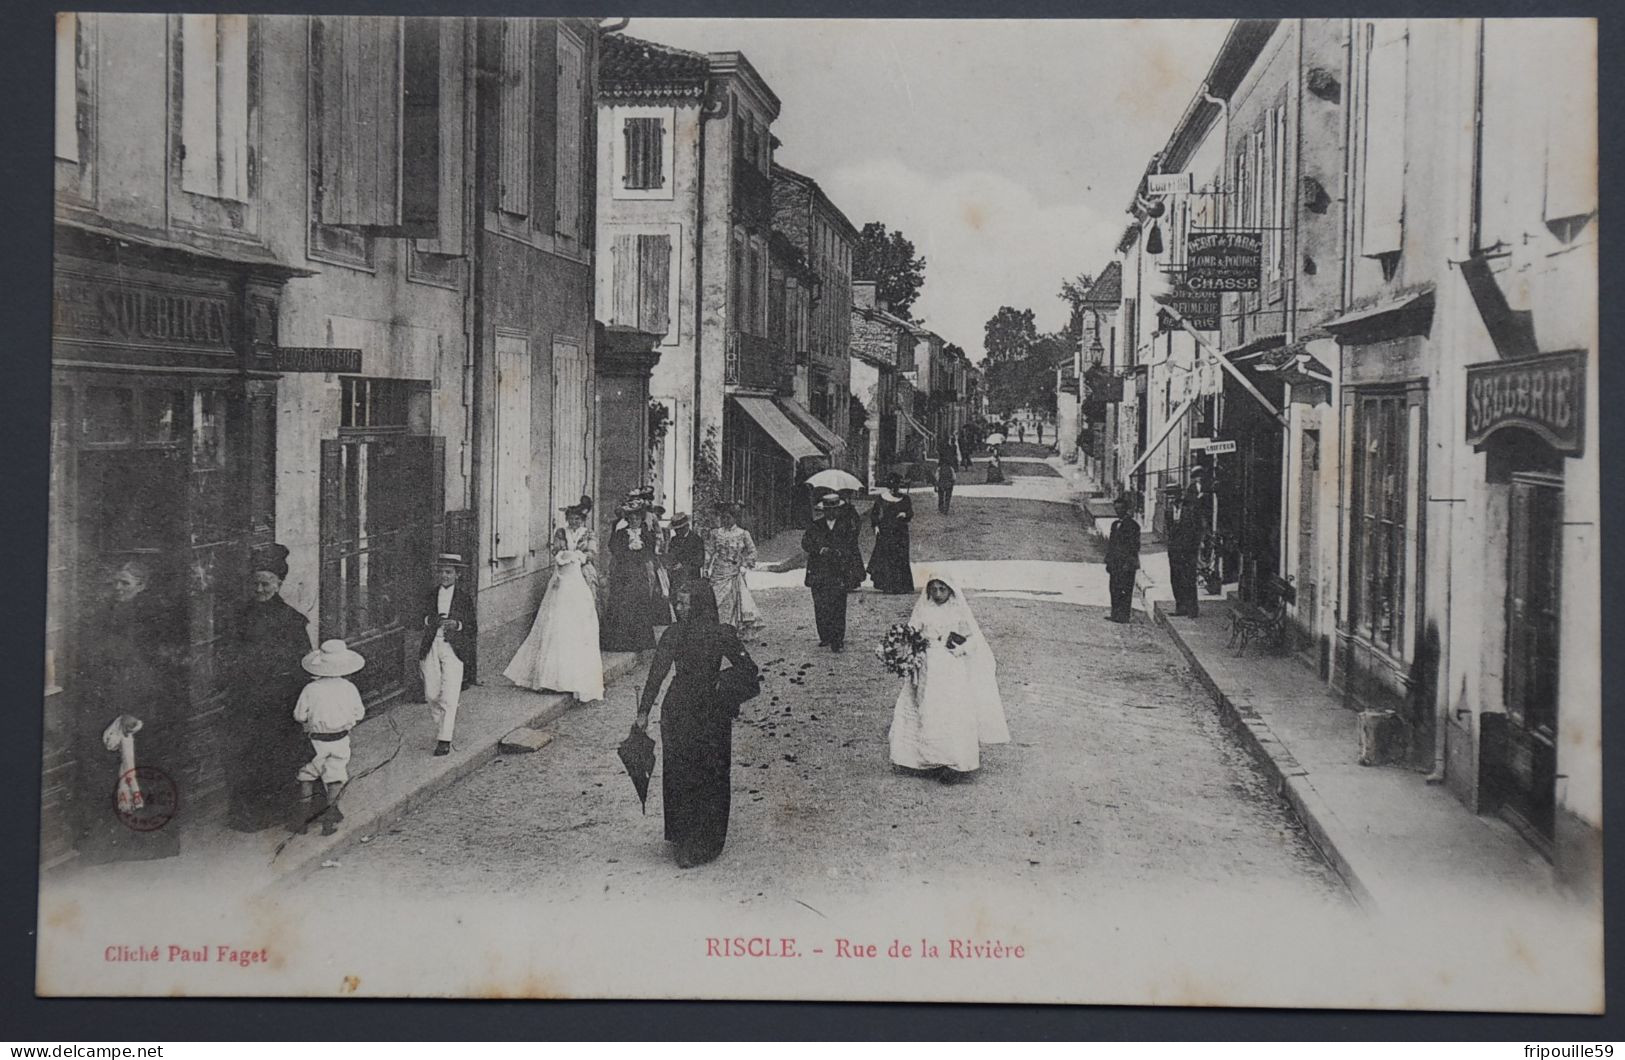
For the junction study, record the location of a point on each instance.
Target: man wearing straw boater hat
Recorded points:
(329, 707)
(447, 646)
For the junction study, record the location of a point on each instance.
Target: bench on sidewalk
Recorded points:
(1267, 624)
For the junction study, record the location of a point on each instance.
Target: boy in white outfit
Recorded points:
(328, 708)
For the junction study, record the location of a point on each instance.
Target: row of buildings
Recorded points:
(377, 288)
(1357, 303)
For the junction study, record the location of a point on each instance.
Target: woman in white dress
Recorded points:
(561, 653)
(732, 553)
(951, 705)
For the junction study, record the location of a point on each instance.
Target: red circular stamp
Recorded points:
(145, 799)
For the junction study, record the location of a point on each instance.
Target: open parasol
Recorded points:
(637, 753)
(834, 479)
(994, 439)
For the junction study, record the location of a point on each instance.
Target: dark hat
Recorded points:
(585, 503)
(658, 509)
(680, 520)
(1175, 490)
(273, 558)
(575, 509)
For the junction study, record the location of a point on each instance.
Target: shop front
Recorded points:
(1527, 416)
(162, 484)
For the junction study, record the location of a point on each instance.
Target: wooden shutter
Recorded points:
(200, 172)
(67, 86)
(1569, 83)
(1383, 181)
(449, 235)
(624, 285)
(420, 141)
(654, 284)
(512, 480)
(567, 218)
(359, 127)
(570, 422)
(513, 119)
(233, 107)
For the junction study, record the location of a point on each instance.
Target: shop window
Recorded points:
(374, 404)
(109, 415)
(1382, 558)
(645, 153)
(1382, 184)
(165, 415)
(215, 106)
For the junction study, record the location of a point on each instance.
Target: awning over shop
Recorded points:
(1408, 313)
(832, 444)
(778, 426)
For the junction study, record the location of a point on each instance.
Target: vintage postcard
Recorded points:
(1090, 512)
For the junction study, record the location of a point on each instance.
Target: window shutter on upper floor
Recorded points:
(568, 187)
(645, 153)
(360, 129)
(513, 119)
(624, 284)
(1383, 180)
(513, 501)
(67, 86)
(448, 233)
(233, 107)
(200, 172)
(654, 284)
(1569, 79)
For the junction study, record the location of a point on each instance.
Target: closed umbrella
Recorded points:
(834, 479)
(637, 754)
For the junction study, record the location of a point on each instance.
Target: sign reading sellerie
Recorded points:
(1544, 395)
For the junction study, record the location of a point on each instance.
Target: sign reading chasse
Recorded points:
(1226, 260)
(1545, 395)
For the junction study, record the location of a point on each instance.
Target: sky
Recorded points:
(1007, 150)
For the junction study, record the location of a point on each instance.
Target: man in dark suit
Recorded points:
(827, 572)
(447, 645)
(685, 555)
(1122, 560)
(848, 527)
(1184, 542)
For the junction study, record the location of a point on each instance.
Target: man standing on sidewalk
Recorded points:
(826, 573)
(1122, 560)
(945, 486)
(447, 645)
(1184, 541)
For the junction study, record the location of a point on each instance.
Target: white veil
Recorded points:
(981, 669)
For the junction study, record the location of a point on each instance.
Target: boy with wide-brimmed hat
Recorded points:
(329, 707)
(447, 646)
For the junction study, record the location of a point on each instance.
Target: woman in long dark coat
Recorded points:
(267, 746)
(696, 727)
(629, 620)
(889, 562)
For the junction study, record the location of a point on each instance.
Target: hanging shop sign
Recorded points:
(1199, 308)
(1222, 447)
(1200, 444)
(1169, 184)
(315, 359)
(1224, 260)
(1545, 395)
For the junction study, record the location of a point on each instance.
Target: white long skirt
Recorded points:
(561, 652)
(736, 607)
(940, 718)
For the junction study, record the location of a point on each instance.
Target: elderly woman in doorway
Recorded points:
(267, 746)
(130, 687)
(696, 724)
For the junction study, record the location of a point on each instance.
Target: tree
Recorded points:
(1073, 293)
(1027, 381)
(1010, 334)
(889, 260)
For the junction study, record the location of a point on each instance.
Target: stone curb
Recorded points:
(1289, 777)
(370, 822)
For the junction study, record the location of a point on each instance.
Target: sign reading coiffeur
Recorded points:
(1545, 395)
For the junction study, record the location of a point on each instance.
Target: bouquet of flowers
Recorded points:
(902, 649)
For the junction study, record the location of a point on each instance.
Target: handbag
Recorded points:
(736, 685)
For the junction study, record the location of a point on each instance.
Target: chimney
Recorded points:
(863, 294)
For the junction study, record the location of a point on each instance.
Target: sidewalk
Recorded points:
(1397, 841)
(392, 772)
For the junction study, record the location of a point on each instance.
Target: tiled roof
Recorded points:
(1108, 286)
(628, 65)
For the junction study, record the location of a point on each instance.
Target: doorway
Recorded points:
(1533, 618)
